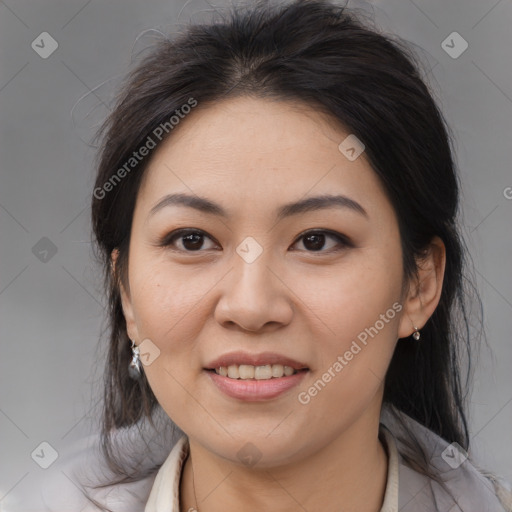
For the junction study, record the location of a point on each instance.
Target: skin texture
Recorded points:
(252, 156)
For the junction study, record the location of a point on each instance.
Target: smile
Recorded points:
(248, 372)
(252, 389)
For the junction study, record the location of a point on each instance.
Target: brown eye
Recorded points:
(191, 240)
(315, 241)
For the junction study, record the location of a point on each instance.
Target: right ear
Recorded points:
(126, 302)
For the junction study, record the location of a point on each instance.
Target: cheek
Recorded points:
(167, 306)
(353, 361)
(344, 301)
(359, 310)
(167, 302)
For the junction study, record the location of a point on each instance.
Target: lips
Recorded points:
(254, 390)
(262, 359)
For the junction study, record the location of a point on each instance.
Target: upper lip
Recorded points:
(264, 358)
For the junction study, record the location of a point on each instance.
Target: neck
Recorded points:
(350, 471)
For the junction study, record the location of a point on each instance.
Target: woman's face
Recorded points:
(259, 288)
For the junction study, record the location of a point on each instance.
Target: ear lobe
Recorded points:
(126, 303)
(425, 291)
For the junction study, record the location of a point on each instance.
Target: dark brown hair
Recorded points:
(320, 54)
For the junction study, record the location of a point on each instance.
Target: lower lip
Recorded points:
(255, 390)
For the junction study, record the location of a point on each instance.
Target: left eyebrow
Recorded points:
(309, 204)
(316, 203)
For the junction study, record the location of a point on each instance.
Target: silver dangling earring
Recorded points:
(134, 366)
(416, 334)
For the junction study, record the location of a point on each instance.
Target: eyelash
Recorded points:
(342, 240)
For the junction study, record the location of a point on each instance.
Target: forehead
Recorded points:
(258, 152)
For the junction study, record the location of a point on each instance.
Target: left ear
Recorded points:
(425, 289)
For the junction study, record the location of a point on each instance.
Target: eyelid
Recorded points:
(335, 234)
(343, 240)
(166, 240)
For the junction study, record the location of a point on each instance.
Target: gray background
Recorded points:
(52, 312)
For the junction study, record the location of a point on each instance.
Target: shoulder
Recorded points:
(81, 479)
(502, 488)
(70, 485)
(453, 483)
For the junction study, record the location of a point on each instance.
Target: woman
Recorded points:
(276, 211)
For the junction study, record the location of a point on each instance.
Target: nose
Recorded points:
(254, 297)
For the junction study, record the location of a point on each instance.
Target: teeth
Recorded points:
(277, 370)
(233, 372)
(263, 372)
(222, 371)
(247, 371)
(288, 370)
